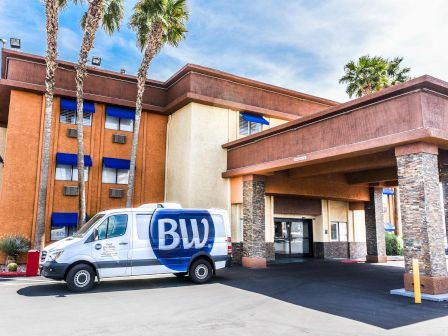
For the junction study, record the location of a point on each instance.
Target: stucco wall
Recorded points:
(2, 152)
(195, 158)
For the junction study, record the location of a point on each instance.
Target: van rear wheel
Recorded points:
(80, 278)
(201, 271)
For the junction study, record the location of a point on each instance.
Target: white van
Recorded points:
(141, 241)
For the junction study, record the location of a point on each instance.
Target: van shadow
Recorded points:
(358, 292)
(59, 289)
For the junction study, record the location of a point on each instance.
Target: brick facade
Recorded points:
(375, 238)
(254, 247)
(421, 213)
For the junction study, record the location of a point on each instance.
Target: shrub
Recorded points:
(394, 244)
(13, 245)
(12, 267)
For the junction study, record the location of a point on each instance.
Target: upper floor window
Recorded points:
(68, 112)
(120, 124)
(70, 173)
(120, 118)
(115, 171)
(251, 124)
(67, 167)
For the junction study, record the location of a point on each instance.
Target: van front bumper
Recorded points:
(53, 270)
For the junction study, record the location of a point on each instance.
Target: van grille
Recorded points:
(43, 256)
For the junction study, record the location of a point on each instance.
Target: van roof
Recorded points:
(151, 210)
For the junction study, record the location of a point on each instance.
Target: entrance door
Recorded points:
(293, 237)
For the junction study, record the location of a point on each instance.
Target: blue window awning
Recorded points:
(64, 219)
(116, 163)
(388, 191)
(120, 112)
(72, 159)
(254, 118)
(70, 104)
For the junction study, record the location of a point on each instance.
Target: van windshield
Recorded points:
(86, 227)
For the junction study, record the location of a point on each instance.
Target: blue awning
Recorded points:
(72, 159)
(70, 104)
(120, 112)
(388, 227)
(64, 219)
(116, 163)
(388, 191)
(254, 118)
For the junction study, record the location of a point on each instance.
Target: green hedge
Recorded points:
(394, 245)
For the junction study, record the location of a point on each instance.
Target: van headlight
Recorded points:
(55, 254)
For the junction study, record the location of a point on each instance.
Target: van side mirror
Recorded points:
(95, 234)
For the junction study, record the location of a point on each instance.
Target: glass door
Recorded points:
(293, 238)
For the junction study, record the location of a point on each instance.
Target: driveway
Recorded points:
(310, 298)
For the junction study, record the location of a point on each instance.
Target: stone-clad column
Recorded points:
(254, 247)
(421, 213)
(443, 171)
(374, 218)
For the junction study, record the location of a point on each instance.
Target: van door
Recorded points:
(143, 258)
(111, 249)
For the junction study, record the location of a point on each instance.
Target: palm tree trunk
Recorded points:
(93, 18)
(152, 48)
(52, 25)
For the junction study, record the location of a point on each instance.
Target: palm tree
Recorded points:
(110, 14)
(371, 74)
(156, 22)
(52, 8)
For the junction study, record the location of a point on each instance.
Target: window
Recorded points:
(69, 173)
(338, 231)
(115, 175)
(69, 117)
(143, 222)
(61, 232)
(113, 226)
(249, 127)
(119, 124)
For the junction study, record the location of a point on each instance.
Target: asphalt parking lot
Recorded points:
(310, 298)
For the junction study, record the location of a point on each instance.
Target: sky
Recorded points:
(297, 44)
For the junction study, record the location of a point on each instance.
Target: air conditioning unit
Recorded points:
(116, 193)
(118, 138)
(72, 133)
(71, 191)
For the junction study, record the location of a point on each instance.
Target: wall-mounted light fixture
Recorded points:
(96, 61)
(15, 42)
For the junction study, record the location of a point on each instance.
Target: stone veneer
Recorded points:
(237, 252)
(443, 173)
(254, 247)
(374, 219)
(270, 251)
(348, 250)
(421, 213)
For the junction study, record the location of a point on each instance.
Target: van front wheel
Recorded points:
(201, 271)
(80, 278)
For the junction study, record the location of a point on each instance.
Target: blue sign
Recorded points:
(98, 246)
(177, 235)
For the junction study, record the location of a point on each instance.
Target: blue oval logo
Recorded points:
(177, 235)
(98, 246)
